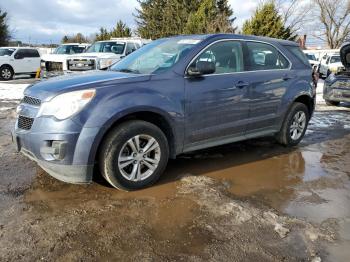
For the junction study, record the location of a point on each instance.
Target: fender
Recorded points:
(109, 111)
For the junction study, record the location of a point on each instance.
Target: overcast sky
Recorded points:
(42, 21)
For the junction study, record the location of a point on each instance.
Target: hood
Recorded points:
(95, 55)
(54, 57)
(345, 55)
(46, 89)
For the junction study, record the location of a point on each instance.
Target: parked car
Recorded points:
(331, 64)
(56, 63)
(18, 60)
(102, 54)
(172, 96)
(336, 88)
(312, 60)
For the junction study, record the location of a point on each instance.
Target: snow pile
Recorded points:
(319, 93)
(12, 91)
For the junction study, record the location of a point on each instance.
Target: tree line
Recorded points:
(328, 20)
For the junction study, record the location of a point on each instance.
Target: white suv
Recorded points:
(18, 60)
(102, 54)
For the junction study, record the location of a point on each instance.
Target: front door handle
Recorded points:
(241, 84)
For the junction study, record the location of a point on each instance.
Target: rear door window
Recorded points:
(263, 56)
(295, 50)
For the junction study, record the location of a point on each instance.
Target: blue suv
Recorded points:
(172, 96)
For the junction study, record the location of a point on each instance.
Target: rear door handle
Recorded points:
(241, 84)
(287, 77)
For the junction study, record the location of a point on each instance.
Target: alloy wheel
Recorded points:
(139, 157)
(298, 125)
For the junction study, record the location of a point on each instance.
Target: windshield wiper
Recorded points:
(128, 70)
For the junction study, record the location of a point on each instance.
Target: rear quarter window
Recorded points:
(295, 50)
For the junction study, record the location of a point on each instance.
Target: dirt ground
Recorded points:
(249, 201)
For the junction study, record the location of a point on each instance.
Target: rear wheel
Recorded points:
(134, 155)
(6, 73)
(294, 126)
(332, 103)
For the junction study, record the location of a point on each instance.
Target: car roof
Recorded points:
(18, 47)
(75, 44)
(237, 36)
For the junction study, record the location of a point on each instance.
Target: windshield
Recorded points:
(311, 57)
(69, 49)
(156, 57)
(335, 59)
(6, 51)
(107, 47)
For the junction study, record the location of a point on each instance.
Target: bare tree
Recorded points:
(334, 21)
(295, 13)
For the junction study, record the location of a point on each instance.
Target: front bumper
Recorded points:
(62, 148)
(337, 95)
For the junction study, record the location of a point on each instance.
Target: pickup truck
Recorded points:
(102, 54)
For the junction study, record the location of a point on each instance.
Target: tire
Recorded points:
(332, 103)
(116, 151)
(6, 73)
(285, 136)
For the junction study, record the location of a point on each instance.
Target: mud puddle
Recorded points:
(253, 201)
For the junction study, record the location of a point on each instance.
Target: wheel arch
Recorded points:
(8, 65)
(160, 120)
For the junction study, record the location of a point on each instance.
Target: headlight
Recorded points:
(43, 64)
(66, 105)
(333, 69)
(105, 63)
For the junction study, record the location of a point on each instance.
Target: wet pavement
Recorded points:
(248, 201)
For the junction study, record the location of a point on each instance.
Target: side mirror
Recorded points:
(202, 68)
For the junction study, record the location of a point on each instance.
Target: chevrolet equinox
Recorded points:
(172, 96)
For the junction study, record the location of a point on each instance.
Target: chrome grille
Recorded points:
(31, 101)
(54, 66)
(81, 64)
(25, 122)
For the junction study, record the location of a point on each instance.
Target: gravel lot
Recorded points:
(249, 201)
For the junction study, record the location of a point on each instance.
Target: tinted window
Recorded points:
(295, 50)
(264, 57)
(25, 53)
(227, 56)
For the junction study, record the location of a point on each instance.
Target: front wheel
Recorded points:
(294, 125)
(6, 73)
(134, 155)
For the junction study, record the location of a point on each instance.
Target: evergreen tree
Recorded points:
(102, 35)
(266, 21)
(121, 30)
(65, 39)
(4, 29)
(161, 18)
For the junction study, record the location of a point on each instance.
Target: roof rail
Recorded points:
(126, 38)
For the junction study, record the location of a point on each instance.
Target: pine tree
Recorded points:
(65, 39)
(4, 29)
(266, 21)
(102, 35)
(161, 18)
(121, 30)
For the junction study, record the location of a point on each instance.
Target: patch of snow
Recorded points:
(5, 108)
(12, 91)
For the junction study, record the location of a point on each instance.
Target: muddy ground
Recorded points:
(249, 201)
